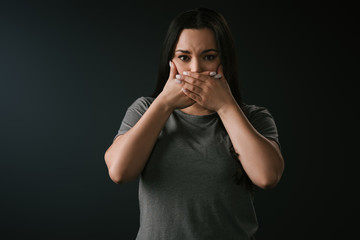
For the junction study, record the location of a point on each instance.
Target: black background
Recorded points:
(69, 70)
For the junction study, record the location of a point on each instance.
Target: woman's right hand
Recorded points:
(172, 95)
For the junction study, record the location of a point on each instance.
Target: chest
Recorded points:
(188, 155)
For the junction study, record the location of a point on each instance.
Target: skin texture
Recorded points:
(196, 52)
(194, 88)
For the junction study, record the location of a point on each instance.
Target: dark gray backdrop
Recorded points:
(69, 71)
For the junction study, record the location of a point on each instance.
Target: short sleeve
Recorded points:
(133, 114)
(261, 119)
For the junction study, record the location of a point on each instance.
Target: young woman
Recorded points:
(197, 148)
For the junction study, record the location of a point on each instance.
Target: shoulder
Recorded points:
(141, 103)
(262, 120)
(254, 111)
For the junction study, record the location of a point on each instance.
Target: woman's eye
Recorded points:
(184, 58)
(210, 57)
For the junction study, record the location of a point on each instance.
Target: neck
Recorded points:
(196, 109)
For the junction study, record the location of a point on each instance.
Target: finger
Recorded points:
(173, 70)
(205, 73)
(193, 81)
(191, 95)
(200, 76)
(191, 87)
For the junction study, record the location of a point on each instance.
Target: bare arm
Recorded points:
(128, 154)
(260, 157)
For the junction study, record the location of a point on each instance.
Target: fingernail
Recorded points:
(184, 90)
(178, 76)
(185, 73)
(170, 63)
(218, 76)
(177, 81)
(212, 74)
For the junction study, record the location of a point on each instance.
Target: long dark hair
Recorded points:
(199, 18)
(196, 19)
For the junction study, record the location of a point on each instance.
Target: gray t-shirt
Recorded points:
(187, 189)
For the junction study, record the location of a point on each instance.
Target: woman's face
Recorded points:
(196, 51)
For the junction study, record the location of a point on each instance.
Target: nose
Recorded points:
(195, 65)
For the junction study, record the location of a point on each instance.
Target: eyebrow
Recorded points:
(205, 51)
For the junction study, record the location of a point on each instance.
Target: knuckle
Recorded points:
(203, 100)
(205, 89)
(191, 80)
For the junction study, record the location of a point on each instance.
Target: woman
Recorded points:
(197, 148)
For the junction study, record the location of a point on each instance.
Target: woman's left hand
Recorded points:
(208, 90)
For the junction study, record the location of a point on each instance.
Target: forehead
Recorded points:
(196, 39)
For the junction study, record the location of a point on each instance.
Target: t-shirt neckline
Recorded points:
(196, 117)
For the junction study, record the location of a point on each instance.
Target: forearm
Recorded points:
(127, 157)
(261, 160)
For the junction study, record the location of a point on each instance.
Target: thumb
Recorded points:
(173, 69)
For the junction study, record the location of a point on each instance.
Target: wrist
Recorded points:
(229, 106)
(161, 100)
